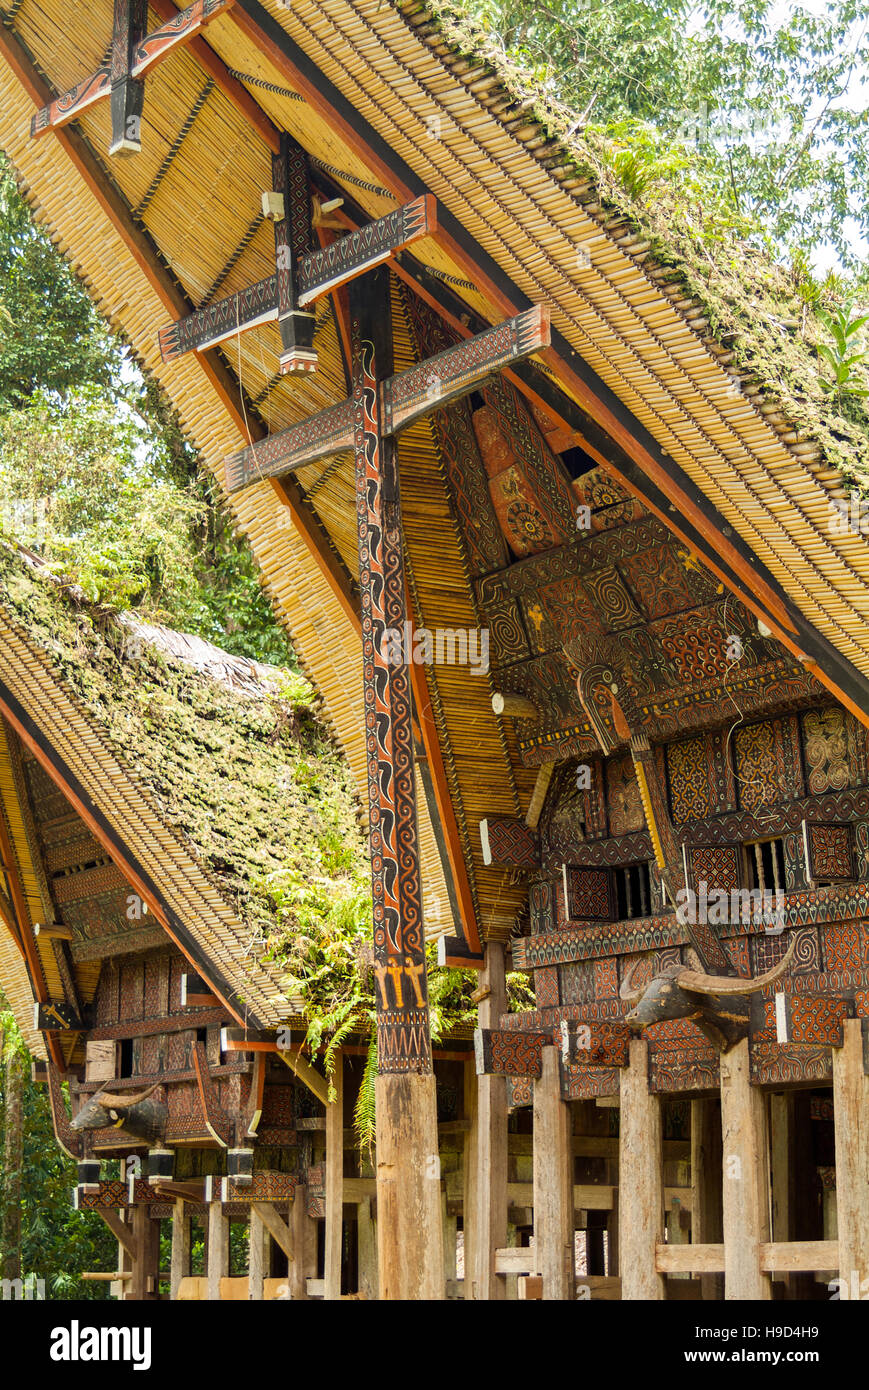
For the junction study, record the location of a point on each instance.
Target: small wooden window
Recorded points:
(765, 865)
(633, 891)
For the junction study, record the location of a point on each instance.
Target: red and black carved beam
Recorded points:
(292, 244)
(401, 988)
(133, 53)
(510, 1051)
(307, 274)
(405, 397)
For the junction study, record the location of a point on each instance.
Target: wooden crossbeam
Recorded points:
(316, 273)
(404, 398)
(133, 53)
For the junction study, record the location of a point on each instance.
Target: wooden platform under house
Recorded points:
(546, 496)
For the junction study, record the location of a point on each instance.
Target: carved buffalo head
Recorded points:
(132, 1111)
(718, 1004)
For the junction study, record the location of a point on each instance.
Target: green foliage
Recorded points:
(95, 474)
(765, 99)
(844, 356)
(57, 1242)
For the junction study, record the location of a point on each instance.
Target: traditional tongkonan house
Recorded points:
(547, 491)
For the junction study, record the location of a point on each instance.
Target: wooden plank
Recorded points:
(469, 1177)
(641, 1186)
(367, 1250)
(808, 1255)
(334, 1184)
(304, 1229)
(275, 1226)
(318, 273)
(217, 1249)
(851, 1119)
(509, 1051)
(516, 1259)
(405, 397)
(706, 1179)
(681, 1259)
(409, 1231)
(120, 1230)
(490, 1182)
(147, 51)
(314, 1080)
(746, 1178)
(180, 1260)
(553, 1182)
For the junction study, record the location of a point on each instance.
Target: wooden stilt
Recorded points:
(553, 1182)
(782, 1171)
(258, 1256)
(217, 1257)
(180, 1262)
(334, 1185)
(641, 1187)
(490, 1183)
(745, 1185)
(409, 1233)
(706, 1221)
(304, 1228)
(367, 1250)
(851, 1116)
(146, 1236)
(469, 1179)
(449, 1224)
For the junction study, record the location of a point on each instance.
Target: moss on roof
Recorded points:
(754, 308)
(248, 779)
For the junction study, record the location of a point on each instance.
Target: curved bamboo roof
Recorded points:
(388, 105)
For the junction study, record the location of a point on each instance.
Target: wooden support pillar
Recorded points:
(641, 1185)
(146, 1236)
(334, 1185)
(258, 1256)
(217, 1255)
(304, 1229)
(409, 1235)
(745, 1186)
(367, 1250)
(469, 1178)
(706, 1178)
(851, 1117)
(180, 1260)
(782, 1171)
(490, 1182)
(449, 1224)
(553, 1182)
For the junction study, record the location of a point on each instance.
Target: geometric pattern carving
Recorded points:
(509, 840)
(623, 796)
(509, 1051)
(814, 1019)
(828, 851)
(690, 778)
(540, 907)
(768, 763)
(546, 990)
(719, 866)
(841, 946)
(659, 582)
(774, 1063)
(520, 1092)
(589, 894)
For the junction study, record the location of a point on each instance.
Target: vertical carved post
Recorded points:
(490, 1227)
(128, 93)
(410, 1243)
(292, 242)
(180, 1263)
(334, 1185)
(745, 1190)
(851, 1118)
(304, 1229)
(641, 1185)
(553, 1182)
